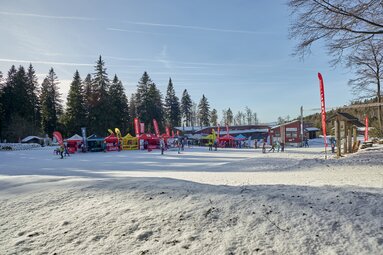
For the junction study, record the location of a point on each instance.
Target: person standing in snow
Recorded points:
(210, 144)
(162, 146)
(272, 147)
(264, 147)
(306, 142)
(179, 146)
(61, 150)
(66, 152)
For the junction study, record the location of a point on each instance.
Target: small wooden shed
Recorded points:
(346, 132)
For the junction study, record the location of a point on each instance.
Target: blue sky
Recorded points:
(235, 52)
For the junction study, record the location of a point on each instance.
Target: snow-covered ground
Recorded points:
(230, 201)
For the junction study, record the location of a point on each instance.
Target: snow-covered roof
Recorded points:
(190, 129)
(311, 129)
(28, 138)
(75, 137)
(364, 128)
(245, 131)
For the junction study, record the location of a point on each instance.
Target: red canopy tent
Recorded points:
(112, 143)
(74, 143)
(227, 141)
(153, 142)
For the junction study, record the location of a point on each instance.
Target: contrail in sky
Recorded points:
(43, 62)
(47, 16)
(33, 15)
(192, 27)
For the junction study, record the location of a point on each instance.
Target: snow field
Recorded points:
(198, 202)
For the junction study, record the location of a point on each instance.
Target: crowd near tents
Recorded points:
(292, 133)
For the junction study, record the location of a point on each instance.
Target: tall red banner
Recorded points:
(167, 131)
(323, 108)
(137, 126)
(58, 137)
(156, 129)
(366, 130)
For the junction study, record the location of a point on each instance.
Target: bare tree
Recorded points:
(249, 115)
(342, 24)
(367, 62)
(255, 118)
(238, 119)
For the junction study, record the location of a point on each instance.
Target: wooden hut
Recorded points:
(346, 132)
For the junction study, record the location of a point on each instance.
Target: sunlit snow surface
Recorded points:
(230, 201)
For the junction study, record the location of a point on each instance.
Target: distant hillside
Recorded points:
(360, 113)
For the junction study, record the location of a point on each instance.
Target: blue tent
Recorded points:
(95, 143)
(240, 137)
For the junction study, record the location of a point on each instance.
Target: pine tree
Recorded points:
(186, 108)
(118, 105)
(51, 107)
(100, 114)
(229, 117)
(172, 107)
(214, 117)
(2, 85)
(7, 95)
(132, 107)
(204, 111)
(18, 108)
(155, 107)
(21, 95)
(142, 98)
(148, 102)
(33, 94)
(89, 99)
(75, 115)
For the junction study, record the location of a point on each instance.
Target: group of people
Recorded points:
(62, 151)
(213, 143)
(279, 146)
(178, 143)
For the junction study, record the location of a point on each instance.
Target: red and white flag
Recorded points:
(366, 130)
(323, 107)
(156, 129)
(137, 126)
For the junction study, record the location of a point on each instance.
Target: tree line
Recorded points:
(98, 103)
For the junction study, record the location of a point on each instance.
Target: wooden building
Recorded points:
(291, 132)
(346, 132)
